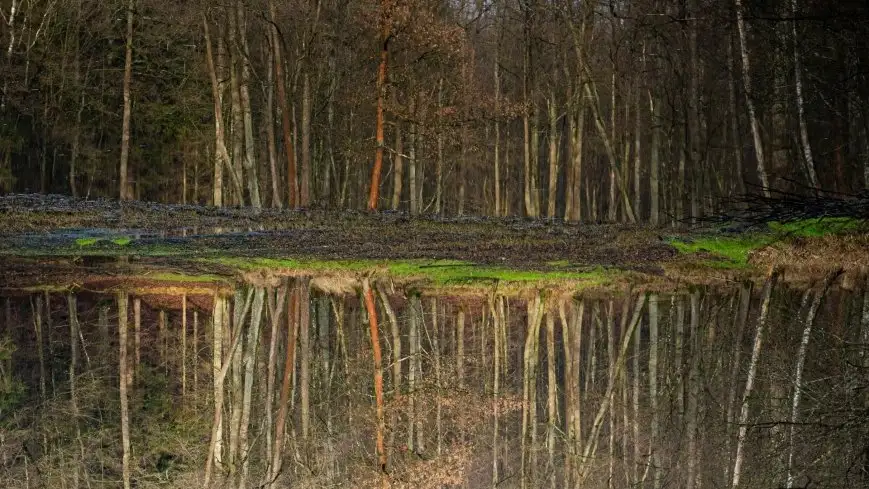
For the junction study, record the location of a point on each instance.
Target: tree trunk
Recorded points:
(280, 80)
(271, 140)
(397, 168)
(801, 110)
(221, 158)
(385, 21)
(553, 157)
(250, 163)
(125, 193)
(752, 117)
(305, 177)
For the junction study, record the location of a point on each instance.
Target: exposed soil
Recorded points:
(55, 239)
(51, 223)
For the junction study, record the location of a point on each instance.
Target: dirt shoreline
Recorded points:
(43, 236)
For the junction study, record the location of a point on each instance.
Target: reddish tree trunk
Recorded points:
(381, 93)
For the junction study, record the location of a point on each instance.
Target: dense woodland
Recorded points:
(314, 382)
(642, 110)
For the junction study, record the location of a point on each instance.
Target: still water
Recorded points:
(315, 382)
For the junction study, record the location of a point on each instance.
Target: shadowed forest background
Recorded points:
(647, 110)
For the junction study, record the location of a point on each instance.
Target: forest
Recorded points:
(652, 111)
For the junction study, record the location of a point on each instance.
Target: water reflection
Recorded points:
(317, 382)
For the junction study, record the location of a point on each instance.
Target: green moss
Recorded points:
(818, 226)
(734, 250)
(439, 272)
(182, 277)
(122, 240)
(86, 241)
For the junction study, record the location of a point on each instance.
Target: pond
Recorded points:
(325, 379)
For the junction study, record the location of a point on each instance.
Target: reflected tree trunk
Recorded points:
(772, 277)
(798, 371)
(123, 382)
(374, 334)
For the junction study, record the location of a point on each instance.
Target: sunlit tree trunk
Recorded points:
(752, 371)
(436, 353)
(125, 193)
(221, 156)
(250, 162)
(269, 116)
(385, 36)
(552, 189)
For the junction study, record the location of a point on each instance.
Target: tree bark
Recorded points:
(552, 189)
(249, 162)
(801, 109)
(752, 116)
(125, 129)
(221, 159)
(305, 177)
(280, 80)
(385, 21)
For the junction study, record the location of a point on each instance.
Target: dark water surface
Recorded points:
(748, 385)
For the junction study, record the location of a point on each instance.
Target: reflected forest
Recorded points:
(310, 381)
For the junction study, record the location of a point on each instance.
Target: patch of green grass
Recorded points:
(818, 226)
(439, 272)
(734, 249)
(182, 277)
(92, 240)
(86, 241)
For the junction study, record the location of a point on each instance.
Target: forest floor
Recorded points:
(38, 232)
